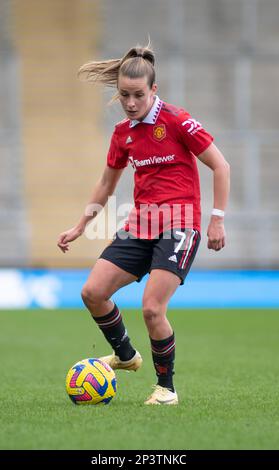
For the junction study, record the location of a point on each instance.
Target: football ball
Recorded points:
(90, 382)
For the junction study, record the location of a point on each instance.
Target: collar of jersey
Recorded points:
(153, 114)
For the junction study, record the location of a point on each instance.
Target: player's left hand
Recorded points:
(216, 233)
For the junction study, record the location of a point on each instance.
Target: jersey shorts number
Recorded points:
(173, 251)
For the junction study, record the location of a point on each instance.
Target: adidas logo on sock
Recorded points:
(173, 258)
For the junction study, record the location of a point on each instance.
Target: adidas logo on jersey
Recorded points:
(173, 258)
(129, 140)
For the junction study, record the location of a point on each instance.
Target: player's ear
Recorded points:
(154, 87)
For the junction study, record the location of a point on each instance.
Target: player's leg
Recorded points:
(104, 280)
(172, 259)
(122, 262)
(159, 289)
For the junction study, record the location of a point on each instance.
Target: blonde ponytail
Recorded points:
(105, 72)
(136, 63)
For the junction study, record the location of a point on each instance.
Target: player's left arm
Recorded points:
(214, 159)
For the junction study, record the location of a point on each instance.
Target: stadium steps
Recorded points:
(61, 119)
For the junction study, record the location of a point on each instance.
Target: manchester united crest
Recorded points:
(159, 132)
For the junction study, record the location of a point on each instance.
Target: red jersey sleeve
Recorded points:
(117, 156)
(192, 133)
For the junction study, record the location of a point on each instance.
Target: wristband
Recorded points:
(218, 212)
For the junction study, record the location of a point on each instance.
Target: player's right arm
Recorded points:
(104, 188)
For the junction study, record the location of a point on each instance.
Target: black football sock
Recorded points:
(115, 333)
(163, 353)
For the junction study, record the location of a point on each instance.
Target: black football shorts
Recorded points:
(173, 251)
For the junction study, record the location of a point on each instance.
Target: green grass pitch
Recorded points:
(226, 377)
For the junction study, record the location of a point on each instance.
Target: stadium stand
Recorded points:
(218, 59)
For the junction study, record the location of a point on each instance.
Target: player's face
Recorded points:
(136, 96)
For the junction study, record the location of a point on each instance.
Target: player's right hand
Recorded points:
(69, 236)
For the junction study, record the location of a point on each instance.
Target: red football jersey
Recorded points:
(162, 149)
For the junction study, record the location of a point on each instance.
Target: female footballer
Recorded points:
(162, 233)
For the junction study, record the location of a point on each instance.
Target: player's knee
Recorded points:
(152, 311)
(86, 294)
(91, 294)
